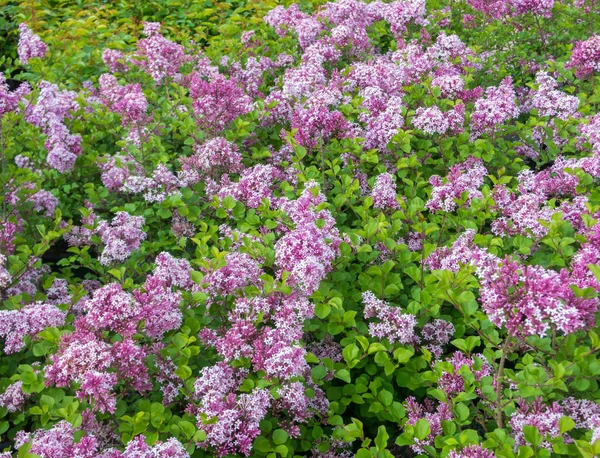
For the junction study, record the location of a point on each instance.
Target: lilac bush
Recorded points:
(332, 229)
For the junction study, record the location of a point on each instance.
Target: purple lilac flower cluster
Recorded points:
(30, 45)
(52, 107)
(121, 237)
(466, 177)
(585, 58)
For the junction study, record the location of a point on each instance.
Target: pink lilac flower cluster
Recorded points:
(241, 270)
(82, 235)
(536, 7)
(401, 13)
(115, 60)
(384, 192)
(52, 107)
(158, 56)
(496, 9)
(28, 282)
(591, 131)
(9, 100)
(272, 343)
(525, 211)
(217, 102)
(60, 441)
(463, 252)
(121, 237)
(433, 121)
(98, 366)
(57, 441)
(494, 109)
(437, 334)
(465, 177)
(13, 398)
(526, 300)
(181, 227)
(551, 102)
(472, 451)
(27, 321)
(128, 101)
(5, 276)
(585, 58)
(44, 201)
(393, 324)
(318, 125)
(254, 184)
(307, 251)
(215, 156)
(585, 414)
(433, 414)
(544, 418)
(532, 300)
(137, 448)
(453, 383)
(30, 45)
(162, 184)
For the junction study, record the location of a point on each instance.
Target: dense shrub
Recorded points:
(318, 229)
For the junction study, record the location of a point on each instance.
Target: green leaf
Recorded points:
(344, 375)
(322, 310)
(184, 372)
(403, 355)
(319, 372)
(565, 424)
(532, 435)
(462, 412)
(382, 438)
(385, 397)
(422, 429)
(187, 428)
(280, 436)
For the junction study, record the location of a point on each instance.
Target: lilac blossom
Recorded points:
(466, 177)
(158, 56)
(128, 101)
(384, 192)
(30, 45)
(96, 388)
(494, 109)
(436, 334)
(5, 276)
(28, 321)
(472, 451)
(544, 418)
(240, 271)
(381, 128)
(13, 398)
(113, 309)
(217, 102)
(58, 442)
(532, 300)
(255, 184)
(585, 58)
(430, 120)
(453, 383)
(114, 60)
(393, 324)
(433, 414)
(237, 416)
(121, 237)
(158, 305)
(551, 102)
(9, 100)
(214, 156)
(52, 107)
